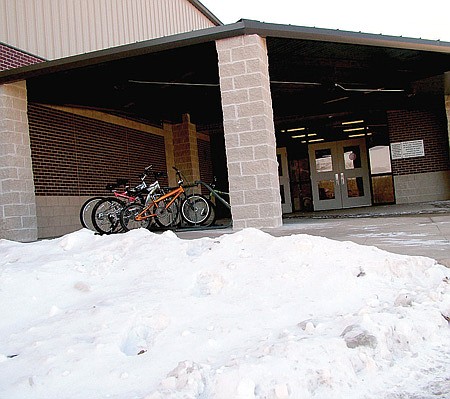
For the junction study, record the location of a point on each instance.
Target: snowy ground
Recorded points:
(245, 315)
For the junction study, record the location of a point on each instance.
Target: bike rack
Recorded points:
(214, 227)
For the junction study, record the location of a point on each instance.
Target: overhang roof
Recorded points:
(162, 78)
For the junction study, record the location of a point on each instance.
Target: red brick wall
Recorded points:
(204, 159)
(12, 58)
(420, 125)
(75, 155)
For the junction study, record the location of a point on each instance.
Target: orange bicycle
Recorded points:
(165, 209)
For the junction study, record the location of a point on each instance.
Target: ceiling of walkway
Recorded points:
(308, 78)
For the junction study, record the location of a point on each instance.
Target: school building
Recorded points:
(288, 118)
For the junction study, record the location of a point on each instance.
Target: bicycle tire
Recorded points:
(166, 217)
(211, 219)
(106, 215)
(127, 217)
(195, 209)
(86, 212)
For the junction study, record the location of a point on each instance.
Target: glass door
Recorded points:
(283, 175)
(339, 174)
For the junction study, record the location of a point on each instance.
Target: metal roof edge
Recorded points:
(124, 51)
(341, 36)
(242, 27)
(205, 11)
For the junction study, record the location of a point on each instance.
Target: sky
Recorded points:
(408, 18)
(244, 315)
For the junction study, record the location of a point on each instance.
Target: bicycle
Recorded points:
(88, 205)
(106, 211)
(165, 208)
(214, 195)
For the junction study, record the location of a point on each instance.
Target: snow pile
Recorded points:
(246, 315)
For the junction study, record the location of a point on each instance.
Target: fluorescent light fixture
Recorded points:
(357, 135)
(304, 142)
(297, 129)
(312, 134)
(353, 122)
(354, 129)
(299, 136)
(315, 140)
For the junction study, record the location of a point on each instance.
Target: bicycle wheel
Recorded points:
(127, 217)
(195, 209)
(86, 212)
(211, 219)
(106, 215)
(166, 217)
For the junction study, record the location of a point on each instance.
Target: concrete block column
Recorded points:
(17, 199)
(249, 132)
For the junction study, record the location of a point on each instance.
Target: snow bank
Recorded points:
(245, 315)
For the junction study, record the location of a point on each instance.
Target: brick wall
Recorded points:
(13, 58)
(420, 125)
(205, 162)
(76, 156)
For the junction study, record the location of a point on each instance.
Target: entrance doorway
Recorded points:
(339, 174)
(283, 175)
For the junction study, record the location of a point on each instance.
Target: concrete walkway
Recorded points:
(412, 229)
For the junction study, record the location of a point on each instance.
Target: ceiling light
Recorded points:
(354, 129)
(300, 136)
(352, 122)
(315, 140)
(357, 135)
(296, 129)
(312, 134)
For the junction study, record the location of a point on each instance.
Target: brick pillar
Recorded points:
(17, 199)
(249, 132)
(185, 149)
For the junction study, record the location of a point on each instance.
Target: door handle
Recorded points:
(342, 179)
(336, 176)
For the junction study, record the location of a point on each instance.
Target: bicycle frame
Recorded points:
(215, 193)
(124, 195)
(175, 193)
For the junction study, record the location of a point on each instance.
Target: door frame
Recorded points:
(338, 176)
(285, 182)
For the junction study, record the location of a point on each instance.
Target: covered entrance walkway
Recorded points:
(252, 83)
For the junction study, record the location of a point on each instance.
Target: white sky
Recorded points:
(409, 18)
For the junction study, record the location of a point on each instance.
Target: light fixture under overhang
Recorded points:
(357, 135)
(353, 122)
(312, 134)
(299, 136)
(296, 129)
(354, 129)
(315, 140)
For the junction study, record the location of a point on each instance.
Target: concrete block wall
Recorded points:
(249, 132)
(422, 187)
(17, 199)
